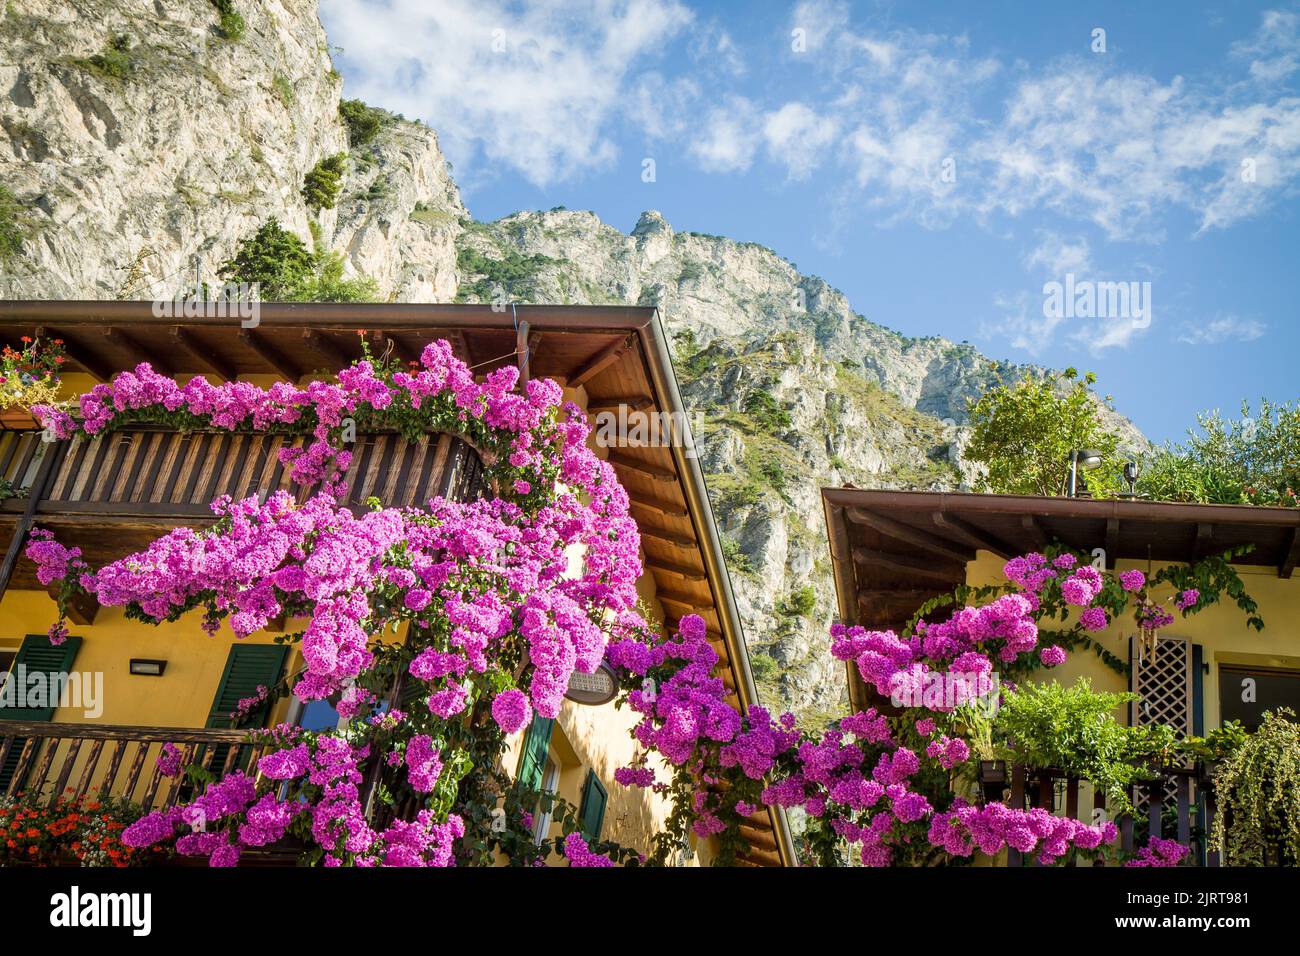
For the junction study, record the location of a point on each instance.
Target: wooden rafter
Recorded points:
(666, 508)
(633, 403)
(263, 349)
(183, 341)
(676, 570)
(1292, 552)
(669, 596)
(1204, 540)
(335, 355)
(1036, 532)
(870, 598)
(1112, 541)
(973, 534)
(910, 535)
(116, 337)
(923, 567)
(621, 460)
(83, 357)
(669, 537)
(600, 361)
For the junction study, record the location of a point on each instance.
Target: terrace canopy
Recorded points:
(892, 551)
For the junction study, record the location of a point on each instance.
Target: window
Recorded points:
(1246, 693)
(550, 783)
(592, 811)
(318, 715)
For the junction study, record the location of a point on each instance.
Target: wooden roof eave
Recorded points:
(654, 349)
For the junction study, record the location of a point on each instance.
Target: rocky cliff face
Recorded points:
(140, 137)
(137, 135)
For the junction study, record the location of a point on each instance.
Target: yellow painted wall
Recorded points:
(1221, 630)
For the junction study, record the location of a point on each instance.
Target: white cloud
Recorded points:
(727, 138)
(1274, 52)
(1021, 323)
(531, 87)
(798, 138)
(1228, 328)
(1056, 255)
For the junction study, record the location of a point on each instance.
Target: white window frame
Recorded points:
(550, 784)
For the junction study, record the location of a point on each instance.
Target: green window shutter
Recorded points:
(592, 812)
(247, 667)
(36, 655)
(532, 763)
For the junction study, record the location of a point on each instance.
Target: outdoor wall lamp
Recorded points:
(147, 668)
(1081, 459)
(1131, 476)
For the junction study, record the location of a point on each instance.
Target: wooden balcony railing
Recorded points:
(45, 760)
(117, 491)
(154, 472)
(1177, 805)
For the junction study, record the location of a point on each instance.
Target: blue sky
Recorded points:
(939, 162)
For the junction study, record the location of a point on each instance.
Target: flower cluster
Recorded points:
(69, 831)
(1159, 853)
(989, 828)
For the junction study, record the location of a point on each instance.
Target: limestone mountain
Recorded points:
(141, 140)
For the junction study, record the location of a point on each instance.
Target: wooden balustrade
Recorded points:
(45, 761)
(112, 493)
(1178, 789)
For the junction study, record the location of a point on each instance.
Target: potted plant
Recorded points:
(29, 376)
(1258, 791)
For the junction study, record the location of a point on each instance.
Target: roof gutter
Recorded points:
(664, 379)
(347, 315)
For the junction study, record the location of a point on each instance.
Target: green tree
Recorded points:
(363, 122)
(1024, 433)
(1254, 459)
(274, 258)
(320, 187)
(328, 284)
(287, 271)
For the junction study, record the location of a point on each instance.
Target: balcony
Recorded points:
(113, 493)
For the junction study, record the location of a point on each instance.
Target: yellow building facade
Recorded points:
(145, 680)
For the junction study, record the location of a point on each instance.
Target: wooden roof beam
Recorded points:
(1034, 530)
(621, 460)
(83, 357)
(676, 570)
(115, 336)
(909, 535)
(600, 361)
(1203, 541)
(669, 537)
(973, 534)
(183, 341)
(907, 564)
(633, 403)
(327, 348)
(1292, 551)
(666, 508)
(868, 598)
(263, 349)
(1112, 541)
(668, 596)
